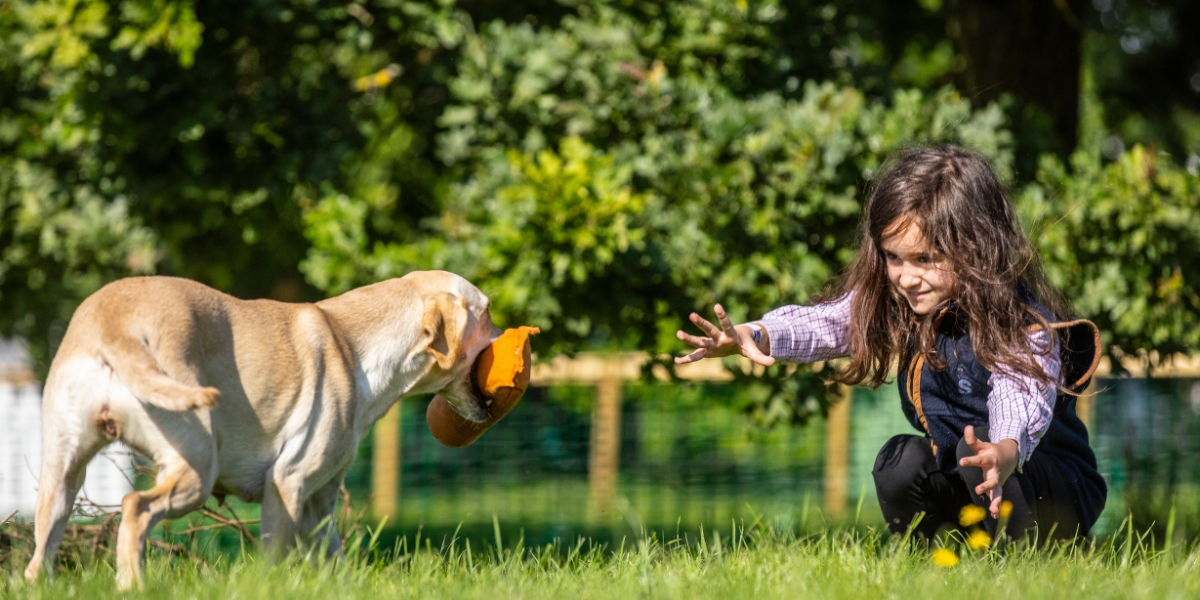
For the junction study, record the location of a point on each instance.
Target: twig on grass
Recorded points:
(223, 521)
(177, 550)
(96, 540)
(348, 523)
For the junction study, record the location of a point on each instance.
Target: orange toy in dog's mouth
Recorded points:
(501, 374)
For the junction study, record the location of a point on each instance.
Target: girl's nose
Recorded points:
(910, 277)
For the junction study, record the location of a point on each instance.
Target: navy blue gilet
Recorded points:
(942, 403)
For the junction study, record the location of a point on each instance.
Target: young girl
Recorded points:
(947, 287)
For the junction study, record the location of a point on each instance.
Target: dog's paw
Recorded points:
(206, 397)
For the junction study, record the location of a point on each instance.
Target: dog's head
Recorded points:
(455, 327)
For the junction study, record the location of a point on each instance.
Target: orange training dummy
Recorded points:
(502, 374)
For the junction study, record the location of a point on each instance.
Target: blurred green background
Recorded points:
(600, 169)
(689, 460)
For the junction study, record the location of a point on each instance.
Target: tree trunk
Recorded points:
(1029, 48)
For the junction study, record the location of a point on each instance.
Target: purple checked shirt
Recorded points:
(1020, 408)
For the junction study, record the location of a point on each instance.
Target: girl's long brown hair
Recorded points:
(955, 198)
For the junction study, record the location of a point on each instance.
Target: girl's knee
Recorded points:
(904, 452)
(901, 462)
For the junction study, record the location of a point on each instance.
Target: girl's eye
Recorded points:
(890, 257)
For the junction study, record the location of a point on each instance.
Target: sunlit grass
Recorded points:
(638, 505)
(733, 563)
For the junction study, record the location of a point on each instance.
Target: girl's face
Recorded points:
(917, 271)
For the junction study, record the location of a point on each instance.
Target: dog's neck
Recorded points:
(384, 348)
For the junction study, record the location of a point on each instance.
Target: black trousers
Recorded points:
(909, 482)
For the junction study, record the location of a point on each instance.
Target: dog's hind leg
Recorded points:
(64, 467)
(179, 489)
(317, 520)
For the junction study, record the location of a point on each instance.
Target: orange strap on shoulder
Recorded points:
(1078, 361)
(914, 393)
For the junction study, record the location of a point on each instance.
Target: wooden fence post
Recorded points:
(604, 452)
(1085, 406)
(385, 464)
(837, 450)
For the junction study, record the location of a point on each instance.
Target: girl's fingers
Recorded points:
(991, 482)
(984, 460)
(997, 496)
(723, 319)
(970, 439)
(694, 356)
(694, 340)
(708, 328)
(975, 461)
(753, 353)
(763, 359)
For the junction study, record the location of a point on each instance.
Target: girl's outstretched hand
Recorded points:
(998, 462)
(725, 340)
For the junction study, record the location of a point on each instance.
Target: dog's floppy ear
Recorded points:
(443, 325)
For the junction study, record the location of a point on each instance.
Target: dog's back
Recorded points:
(179, 345)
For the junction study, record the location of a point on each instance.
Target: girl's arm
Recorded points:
(808, 333)
(790, 334)
(1020, 408)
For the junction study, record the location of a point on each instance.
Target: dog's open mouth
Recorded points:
(478, 409)
(468, 402)
(498, 377)
(480, 401)
(467, 407)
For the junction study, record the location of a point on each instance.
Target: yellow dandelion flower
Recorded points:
(1005, 509)
(970, 515)
(979, 540)
(944, 557)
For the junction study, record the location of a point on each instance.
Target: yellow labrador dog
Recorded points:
(261, 399)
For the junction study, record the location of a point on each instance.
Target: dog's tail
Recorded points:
(133, 363)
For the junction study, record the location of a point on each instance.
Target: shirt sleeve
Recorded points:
(1020, 408)
(809, 333)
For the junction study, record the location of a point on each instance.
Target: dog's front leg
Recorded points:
(288, 517)
(318, 524)
(282, 505)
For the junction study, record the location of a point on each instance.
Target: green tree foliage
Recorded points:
(62, 236)
(1145, 62)
(600, 167)
(1123, 240)
(604, 198)
(186, 138)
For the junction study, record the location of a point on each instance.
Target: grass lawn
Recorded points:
(759, 564)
